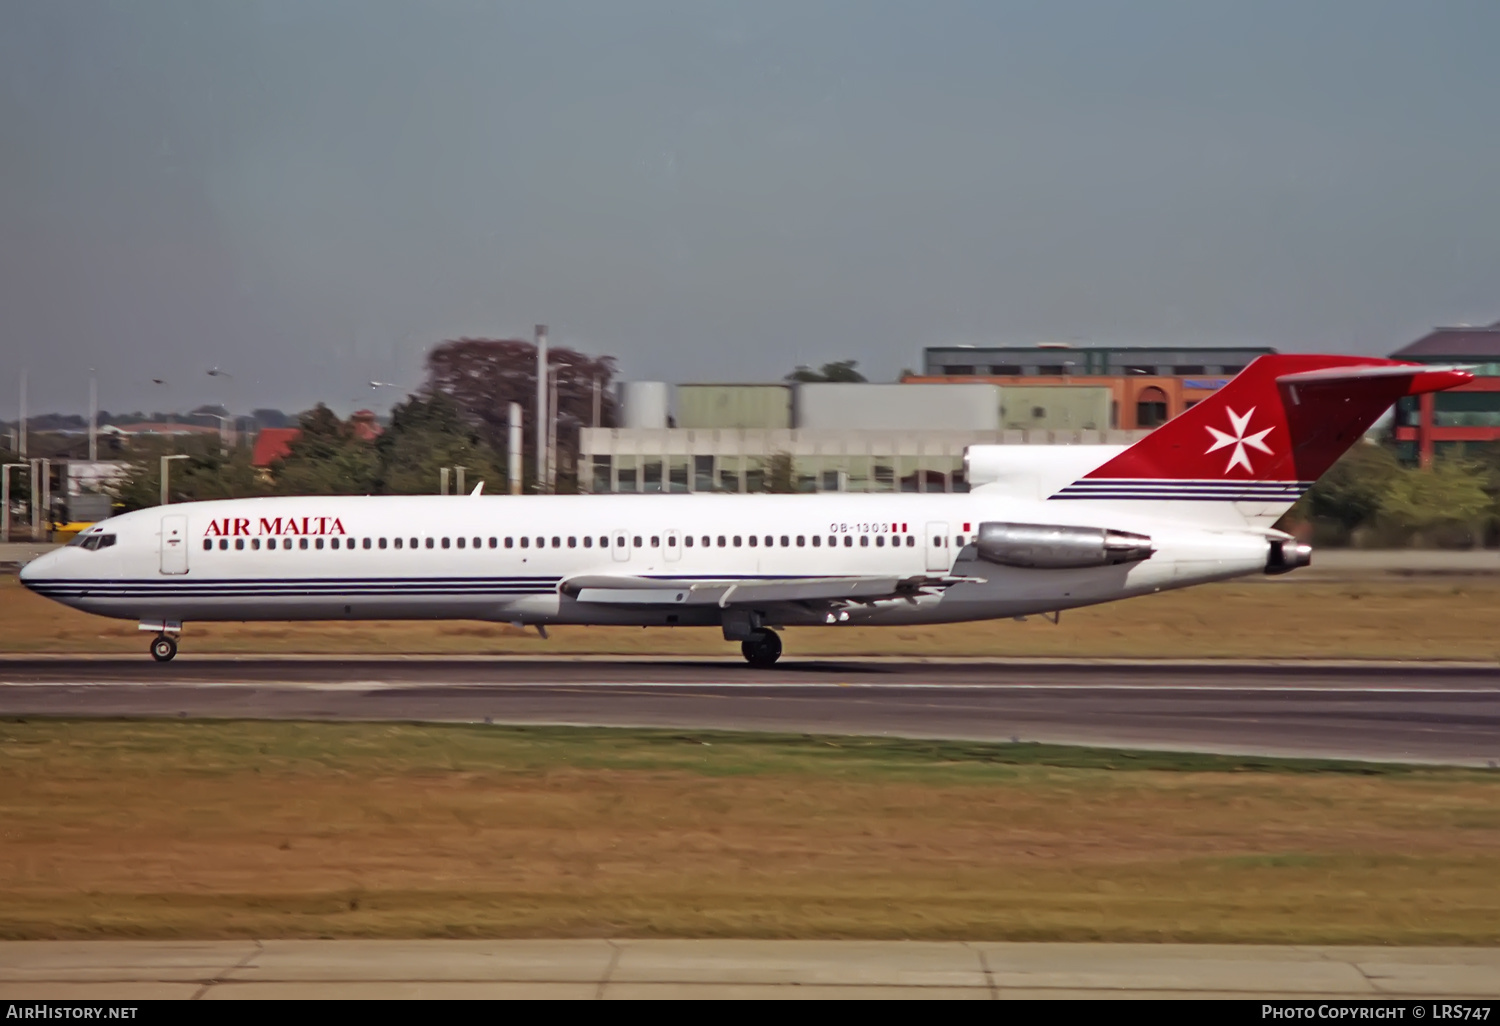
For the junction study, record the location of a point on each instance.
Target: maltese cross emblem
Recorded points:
(1240, 440)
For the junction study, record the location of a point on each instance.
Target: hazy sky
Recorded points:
(308, 193)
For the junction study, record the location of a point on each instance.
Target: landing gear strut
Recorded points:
(762, 649)
(163, 648)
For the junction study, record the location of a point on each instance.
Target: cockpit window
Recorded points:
(93, 541)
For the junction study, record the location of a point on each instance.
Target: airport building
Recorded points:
(909, 436)
(1145, 385)
(1441, 423)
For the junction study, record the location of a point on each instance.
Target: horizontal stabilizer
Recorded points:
(1441, 376)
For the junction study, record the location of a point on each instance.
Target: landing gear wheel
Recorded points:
(163, 649)
(762, 649)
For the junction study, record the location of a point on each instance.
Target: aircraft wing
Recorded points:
(654, 591)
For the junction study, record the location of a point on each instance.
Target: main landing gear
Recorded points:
(762, 649)
(163, 648)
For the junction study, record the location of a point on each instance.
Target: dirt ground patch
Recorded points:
(1388, 618)
(225, 829)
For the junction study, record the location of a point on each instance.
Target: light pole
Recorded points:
(226, 431)
(21, 428)
(5, 498)
(513, 450)
(41, 492)
(93, 417)
(166, 496)
(541, 409)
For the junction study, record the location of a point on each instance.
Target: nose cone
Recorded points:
(37, 569)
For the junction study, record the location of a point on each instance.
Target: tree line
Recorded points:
(1371, 499)
(459, 418)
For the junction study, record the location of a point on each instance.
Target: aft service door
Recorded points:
(620, 545)
(938, 553)
(174, 545)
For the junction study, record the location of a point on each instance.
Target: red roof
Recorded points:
(366, 427)
(273, 444)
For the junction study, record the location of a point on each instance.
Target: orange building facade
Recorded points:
(1148, 385)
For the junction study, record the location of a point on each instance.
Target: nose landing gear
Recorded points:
(761, 649)
(163, 649)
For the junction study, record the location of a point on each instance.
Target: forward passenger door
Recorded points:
(174, 544)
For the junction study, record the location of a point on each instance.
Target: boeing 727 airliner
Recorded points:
(1044, 529)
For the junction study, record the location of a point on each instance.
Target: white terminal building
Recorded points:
(810, 437)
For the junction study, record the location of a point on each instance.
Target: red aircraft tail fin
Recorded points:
(1265, 437)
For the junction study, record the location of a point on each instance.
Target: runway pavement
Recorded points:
(144, 970)
(1389, 712)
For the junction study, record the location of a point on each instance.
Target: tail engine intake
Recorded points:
(1053, 547)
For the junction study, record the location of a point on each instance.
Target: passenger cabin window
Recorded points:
(721, 541)
(510, 543)
(705, 541)
(382, 542)
(801, 540)
(334, 542)
(223, 543)
(572, 542)
(460, 543)
(687, 540)
(255, 543)
(752, 541)
(301, 543)
(397, 542)
(207, 544)
(817, 540)
(638, 541)
(880, 541)
(588, 541)
(445, 543)
(604, 541)
(849, 541)
(525, 543)
(318, 542)
(736, 541)
(556, 542)
(431, 543)
(414, 543)
(239, 543)
(864, 541)
(480, 541)
(541, 543)
(785, 541)
(494, 543)
(656, 541)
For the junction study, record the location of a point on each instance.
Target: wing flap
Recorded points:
(646, 591)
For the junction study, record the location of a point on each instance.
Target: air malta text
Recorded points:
(239, 527)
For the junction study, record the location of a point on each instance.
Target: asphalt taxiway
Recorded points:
(1417, 712)
(599, 968)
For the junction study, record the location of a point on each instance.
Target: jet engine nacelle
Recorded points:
(1286, 556)
(1054, 547)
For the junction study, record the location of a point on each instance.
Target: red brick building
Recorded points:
(1446, 422)
(273, 444)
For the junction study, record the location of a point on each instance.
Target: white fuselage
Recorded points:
(502, 558)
